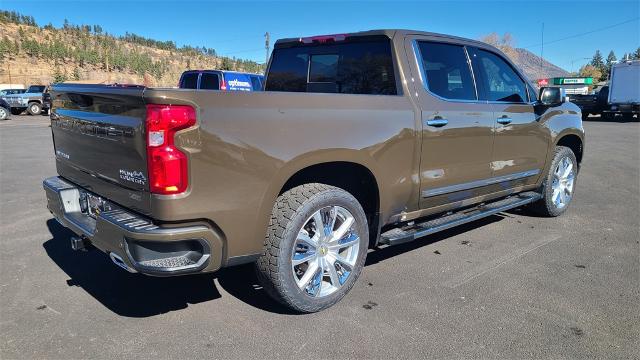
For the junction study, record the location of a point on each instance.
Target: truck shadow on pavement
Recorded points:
(136, 295)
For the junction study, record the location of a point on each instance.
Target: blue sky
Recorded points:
(237, 28)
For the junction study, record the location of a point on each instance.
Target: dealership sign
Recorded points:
(573, 81)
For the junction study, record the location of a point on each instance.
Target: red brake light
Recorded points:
(167, 165)
(323, 38)
(223, 85)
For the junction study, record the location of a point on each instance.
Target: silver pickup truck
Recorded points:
(35, 100)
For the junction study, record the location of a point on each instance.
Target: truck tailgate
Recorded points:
(99, 141)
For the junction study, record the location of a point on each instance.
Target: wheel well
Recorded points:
(351, 177)
(34, 101)
(574, 143)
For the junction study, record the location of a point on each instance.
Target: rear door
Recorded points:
(457, 128)
(237, 81)
(521, 142)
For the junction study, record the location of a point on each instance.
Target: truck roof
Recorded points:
(390, 33)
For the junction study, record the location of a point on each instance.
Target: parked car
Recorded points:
(6, 92)
(220, 80)
(31, 100)
(5, 110)
(360, 140)
(624, 93)
(594, 104)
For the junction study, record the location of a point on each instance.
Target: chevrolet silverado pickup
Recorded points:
(359, 141)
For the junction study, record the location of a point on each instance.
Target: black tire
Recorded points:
(291, 212)
(547, 206)
(34, 108)
(4, 113)
(16, 111)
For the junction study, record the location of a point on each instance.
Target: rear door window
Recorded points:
(446, 70)
(256, 83)
(209, 81)
(364, 67)
(189, 80)
(498, 80)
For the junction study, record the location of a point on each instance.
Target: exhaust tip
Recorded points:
(119, 262)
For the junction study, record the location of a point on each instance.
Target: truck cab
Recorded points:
(220, 80)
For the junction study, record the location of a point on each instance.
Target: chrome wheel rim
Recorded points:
(3, 113)
(325, 251)
(563, 181)
(34, 108)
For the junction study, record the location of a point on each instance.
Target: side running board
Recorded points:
(406, 234)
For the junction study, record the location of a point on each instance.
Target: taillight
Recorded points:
(223, 85)
(168, 166)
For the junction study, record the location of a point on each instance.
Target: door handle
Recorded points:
(504, 120)
(437, 122)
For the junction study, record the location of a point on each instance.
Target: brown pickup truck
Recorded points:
(360, 141)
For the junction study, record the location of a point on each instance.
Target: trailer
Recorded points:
(624, 90)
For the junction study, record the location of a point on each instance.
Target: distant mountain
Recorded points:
(532, 66)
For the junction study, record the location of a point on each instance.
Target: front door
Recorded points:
(521, 142)
(457, 129)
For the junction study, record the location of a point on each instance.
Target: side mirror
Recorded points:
(552, 95)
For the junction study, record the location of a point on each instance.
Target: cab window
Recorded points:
(189, 81)
(498, 80)
(209, 81)
(446, 70)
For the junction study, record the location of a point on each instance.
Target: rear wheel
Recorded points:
(559, 184)
(4, 113)
(34, 108)
(315, 247)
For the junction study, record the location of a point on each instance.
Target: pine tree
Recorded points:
(598, 62)
(58, 76)
(636, 54)
(76, 73)
(611, 59)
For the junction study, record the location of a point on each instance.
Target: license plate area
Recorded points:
(93, 205)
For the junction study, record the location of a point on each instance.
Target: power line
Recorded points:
(583, 33)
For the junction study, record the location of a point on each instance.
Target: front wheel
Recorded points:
(559, 184)
(34, 108)
(315, 247)
(4, 113)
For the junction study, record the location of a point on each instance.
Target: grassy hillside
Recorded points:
(31, 54)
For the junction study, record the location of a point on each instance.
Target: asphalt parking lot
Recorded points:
(509, 286)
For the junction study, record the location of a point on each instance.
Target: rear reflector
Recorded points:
(168, 166)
